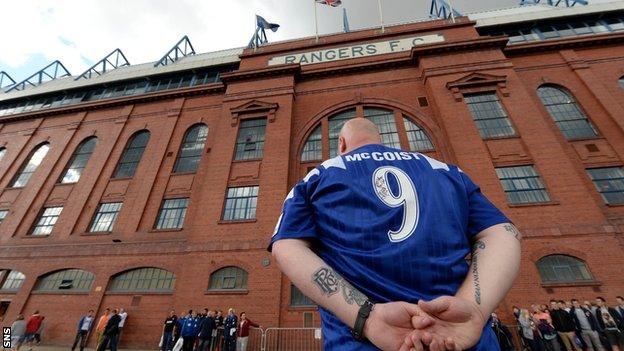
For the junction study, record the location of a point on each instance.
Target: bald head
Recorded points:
(357, 132)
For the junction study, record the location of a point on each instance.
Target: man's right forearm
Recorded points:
(317, 280)
(494, 267)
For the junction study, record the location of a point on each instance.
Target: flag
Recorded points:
(332, 3)
(264, 24)
(345, 20)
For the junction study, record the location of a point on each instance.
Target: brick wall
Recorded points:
(576, 222)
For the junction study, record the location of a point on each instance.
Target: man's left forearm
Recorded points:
(494, 267)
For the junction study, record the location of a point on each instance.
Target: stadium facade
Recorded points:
(158, 186)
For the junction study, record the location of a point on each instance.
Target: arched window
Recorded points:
(67, 279)
(2, 152)
(621, 81)
(131, 155)
(335, 125)
(313, 148)
(563, 269)
(11, 280)
(228, 278)
(30, 166)
(79, 160)
(566, 113)
(192, 149)
(418, 140)
(143, 279)
(386, 120)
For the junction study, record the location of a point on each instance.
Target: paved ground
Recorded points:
(60, 348)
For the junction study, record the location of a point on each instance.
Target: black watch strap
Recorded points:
(362, 316)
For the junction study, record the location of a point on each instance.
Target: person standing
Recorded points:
(549, 335)
(614, 334)
(602, 308)
(539, 314)
(527, 324)
(376, 226)
(243, 331)
(620, 306)
(189, 329)
(18, 332)
(111, 330)
(229, 329)
(564, 325)
(32, 327)
(586, 326)
(99, 328)
(84, 327)
(218, 333)
(503, 335)
(123, 315)
(208, 326)
(610, 322)
(168, 327)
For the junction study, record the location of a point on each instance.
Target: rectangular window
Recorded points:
(105, 217)
(298, 299)
(522, 185)
(172, 213)
(610, 183)
(240, 203)
(46, 221)
(489, 115)
(250, 141)
(3, 215)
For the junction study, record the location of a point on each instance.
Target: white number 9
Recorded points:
(406, 197)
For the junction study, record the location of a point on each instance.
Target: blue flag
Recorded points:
(264, 24)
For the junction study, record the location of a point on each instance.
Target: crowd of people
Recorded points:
(206, 331)
(108, 330)
(27, 331)
(567, 326)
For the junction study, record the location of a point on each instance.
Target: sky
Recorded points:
(81, 32)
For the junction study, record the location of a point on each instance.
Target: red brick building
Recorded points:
(157, 187)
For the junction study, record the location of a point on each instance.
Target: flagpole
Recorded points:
(255, 36)
(381, 16)
(315, 22)
(450, 2)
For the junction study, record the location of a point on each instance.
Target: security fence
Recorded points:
(311, 339)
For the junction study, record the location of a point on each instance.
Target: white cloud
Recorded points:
(81, 32)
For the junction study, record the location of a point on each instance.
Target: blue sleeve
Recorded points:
(297, 218)
(482, 214)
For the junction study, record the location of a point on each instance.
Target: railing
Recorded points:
(308, 339)
(293, 339)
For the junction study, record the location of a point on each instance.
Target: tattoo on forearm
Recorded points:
(330, 282)
(327, 280)
(351, 294)
(479, 245)
(511, 229)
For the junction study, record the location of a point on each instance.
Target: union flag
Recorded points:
(332, 3)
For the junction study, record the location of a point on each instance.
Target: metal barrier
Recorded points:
(311, 339)
(256, 339)
(293, 339)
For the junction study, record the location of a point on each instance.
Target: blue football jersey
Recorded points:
(397, 225)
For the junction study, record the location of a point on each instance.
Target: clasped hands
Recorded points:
(445, 323)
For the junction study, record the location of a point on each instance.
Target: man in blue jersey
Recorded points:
(378, 238)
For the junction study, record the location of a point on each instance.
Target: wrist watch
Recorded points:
(362, 316)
